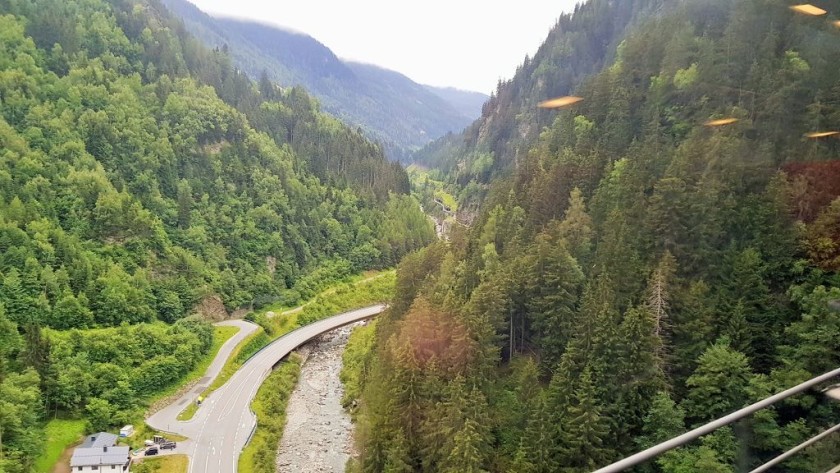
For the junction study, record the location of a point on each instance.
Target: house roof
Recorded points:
(102, 439)
(98, 456)
(99, 449)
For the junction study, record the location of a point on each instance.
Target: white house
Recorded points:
(99, 453)
(127, 431)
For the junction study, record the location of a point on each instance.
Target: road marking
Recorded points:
(242, 383)
(233, 400)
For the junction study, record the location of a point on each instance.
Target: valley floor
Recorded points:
(318, 432)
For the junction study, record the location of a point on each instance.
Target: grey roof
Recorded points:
(99, 449)
(98, 456)
(102, 439)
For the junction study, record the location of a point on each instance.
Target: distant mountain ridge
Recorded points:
(467, 102)
(388, 106)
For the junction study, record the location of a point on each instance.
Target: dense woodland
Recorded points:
(635, 273)
(578, 46)
(141, 173)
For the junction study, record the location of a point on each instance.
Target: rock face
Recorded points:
(317, 437)
(211, 308)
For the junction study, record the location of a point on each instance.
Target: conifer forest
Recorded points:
(659, 252)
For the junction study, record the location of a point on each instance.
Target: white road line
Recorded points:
(238, 391)
(228, 399)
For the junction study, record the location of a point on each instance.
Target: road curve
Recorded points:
(165, 418)
(224, 423)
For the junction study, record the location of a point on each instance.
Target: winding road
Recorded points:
(223, 425)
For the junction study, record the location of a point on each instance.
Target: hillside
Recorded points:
(389, 107)
(633, 272)
(142, 177)
(578, 46)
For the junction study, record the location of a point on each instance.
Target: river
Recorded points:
(318, 433)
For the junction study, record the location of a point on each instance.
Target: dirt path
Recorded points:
(318, 430)
(63, 464)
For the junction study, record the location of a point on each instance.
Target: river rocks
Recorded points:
(318, 431)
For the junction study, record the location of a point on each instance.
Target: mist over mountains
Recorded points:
(388, 106)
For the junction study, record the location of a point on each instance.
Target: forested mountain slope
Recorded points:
(578, 46)
(140, 173)
(637, 273)
(389, 107)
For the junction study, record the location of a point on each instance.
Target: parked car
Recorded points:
(151, 451)
(168, 445)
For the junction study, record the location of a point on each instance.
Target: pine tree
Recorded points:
(640, 374)
(747, 293)
(693, 330)
(664, 420)
(585, 430)
(576, 228)
(659, 293)
(553, 286)
(534, 454)
(737, 329)
(465, 456)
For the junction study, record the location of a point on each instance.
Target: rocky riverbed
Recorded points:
(317, 437)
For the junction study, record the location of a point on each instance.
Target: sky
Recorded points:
(467, 44)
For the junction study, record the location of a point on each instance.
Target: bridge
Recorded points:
(224, 423)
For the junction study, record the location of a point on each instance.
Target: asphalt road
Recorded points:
(165, 418)
(223, 424)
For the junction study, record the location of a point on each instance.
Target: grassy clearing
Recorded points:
(165, 464)
(423, 183)
(188, 411)
(222, 335)
(60, 434)
(447, 199)
(344, 297)
(270, 407)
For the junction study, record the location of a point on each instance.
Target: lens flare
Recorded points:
(821, 134)
(560, 102)
(721, 122)
(808, 9)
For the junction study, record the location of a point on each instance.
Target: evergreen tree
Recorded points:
(584, 430)
(534, 452)
(553, 284)
(466, 450)
(719, 384)
(576, 228)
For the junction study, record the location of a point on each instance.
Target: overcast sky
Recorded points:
(468, 44)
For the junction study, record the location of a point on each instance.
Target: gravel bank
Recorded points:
(317, 437)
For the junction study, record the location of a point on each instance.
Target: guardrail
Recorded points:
(675, 442)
